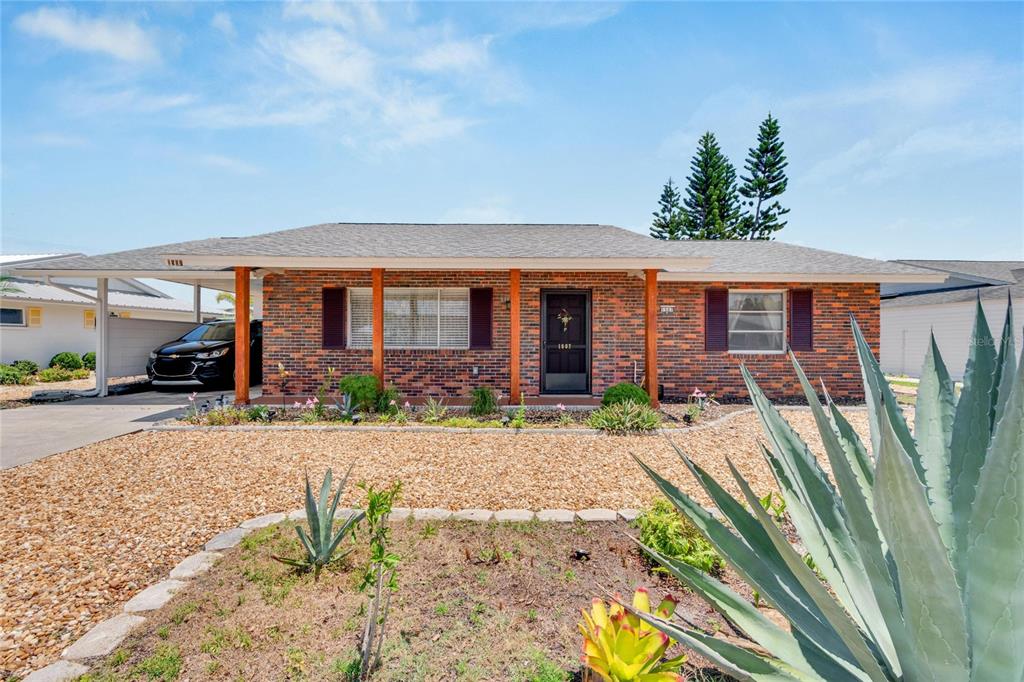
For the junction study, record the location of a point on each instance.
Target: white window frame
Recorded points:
(785, 321)
(24, 316)
(348, 319)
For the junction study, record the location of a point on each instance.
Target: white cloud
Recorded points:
(61, 140)
(301, 113)
(454, 55)
(349, 16)
(84, 101)
(329, 57)
(223, 23)
(229, 164)
(118, 38)
(548, 15)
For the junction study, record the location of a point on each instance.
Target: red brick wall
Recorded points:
(683, 364)
(292, 336)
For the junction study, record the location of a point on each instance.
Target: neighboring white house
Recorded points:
(911, 312)
(41, 319)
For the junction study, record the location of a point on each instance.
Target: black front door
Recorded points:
(565, 342)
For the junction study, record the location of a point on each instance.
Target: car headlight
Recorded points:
(210, 354)
(152, 355)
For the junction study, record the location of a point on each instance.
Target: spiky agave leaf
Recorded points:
(933, 425)
(995, 549)
(972, 430)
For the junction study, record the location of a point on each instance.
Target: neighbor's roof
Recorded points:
(1011, 272)
(994, 271)
(37, 291)
(502, 246)
(11, 258)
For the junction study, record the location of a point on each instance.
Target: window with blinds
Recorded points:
(757, 322)
(413, 318)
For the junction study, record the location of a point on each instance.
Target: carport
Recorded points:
(122, 343)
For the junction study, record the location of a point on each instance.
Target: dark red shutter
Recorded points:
(716, 319)
(480, 317)
(334, 317)
(801, 319)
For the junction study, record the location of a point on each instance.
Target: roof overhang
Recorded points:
(185, 276)
(887, 278)
(400, 263)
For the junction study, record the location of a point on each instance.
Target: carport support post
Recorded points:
(377, 277)
(513, 339)
(197, 302)
(651, 334)
(242, 336)
(102, 336)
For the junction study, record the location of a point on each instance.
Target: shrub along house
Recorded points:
(549, 313)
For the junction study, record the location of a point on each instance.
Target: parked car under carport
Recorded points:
(205, 356)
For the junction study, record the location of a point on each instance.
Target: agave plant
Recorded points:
(321, 544)
(620, 647)
(920, 543)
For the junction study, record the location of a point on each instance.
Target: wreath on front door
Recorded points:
(565, 318)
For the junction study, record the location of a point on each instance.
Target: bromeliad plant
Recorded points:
(920, 544)
(321, 544)
(620, 647)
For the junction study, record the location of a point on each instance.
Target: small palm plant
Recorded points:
(921, 544)
(321, 544)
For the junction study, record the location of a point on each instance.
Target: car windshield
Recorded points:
(211, 332)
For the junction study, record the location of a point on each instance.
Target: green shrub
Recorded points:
(226, 416)
(25, 366)
(89, 360)
(387, 400)
(258, 413)
(484, 401)
(624, 417)
(51, 374)
(625, 391)
(363, 388)
(670, 534)
(11, 375)
(67, 360)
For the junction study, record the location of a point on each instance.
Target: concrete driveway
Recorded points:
(31, 433)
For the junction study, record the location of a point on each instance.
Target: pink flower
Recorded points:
(407, 405)
(392, 403)
(316, 400)
(297, 405)
(561, 407)
(192, 398)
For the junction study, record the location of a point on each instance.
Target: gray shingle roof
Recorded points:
(779, 257)
(422, 240)
(514, 241)
(1016, 291)
(1001, 270)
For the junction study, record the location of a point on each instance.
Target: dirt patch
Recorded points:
(93, 526)
(475, 602)
(20, 396)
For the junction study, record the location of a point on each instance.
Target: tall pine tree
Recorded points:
(712, 201)
(669, 219)
(766, 165)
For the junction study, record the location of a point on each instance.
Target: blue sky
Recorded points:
(126, 125)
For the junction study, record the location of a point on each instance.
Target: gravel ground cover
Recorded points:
(89, 528)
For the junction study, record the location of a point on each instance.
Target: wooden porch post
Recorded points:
(651, 334)
(513, 336)
(378, 325)
(242, 336)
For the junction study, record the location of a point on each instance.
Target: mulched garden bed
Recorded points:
(495, 601)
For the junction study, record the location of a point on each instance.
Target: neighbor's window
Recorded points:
(413, 318)
(757, 321)
(14, 317)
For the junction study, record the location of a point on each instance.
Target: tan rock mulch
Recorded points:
(83, 531)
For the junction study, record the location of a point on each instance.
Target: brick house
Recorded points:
(547, 312)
